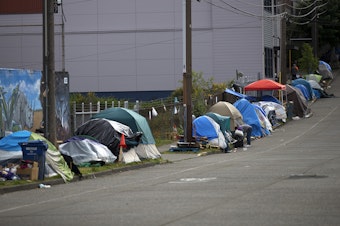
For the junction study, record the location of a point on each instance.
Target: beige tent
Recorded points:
(227, 109)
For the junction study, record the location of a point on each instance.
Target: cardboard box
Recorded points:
(29, 173)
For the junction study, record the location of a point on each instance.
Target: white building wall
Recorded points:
(136, 45)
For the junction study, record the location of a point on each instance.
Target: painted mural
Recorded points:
(21, 103)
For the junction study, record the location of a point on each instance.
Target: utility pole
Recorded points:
(283, 46)
(187, 72)
(48, 71)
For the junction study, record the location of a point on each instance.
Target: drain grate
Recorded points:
(306, 176)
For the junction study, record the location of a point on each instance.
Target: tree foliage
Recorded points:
(308, 63)
(201, 91)
(326, 13)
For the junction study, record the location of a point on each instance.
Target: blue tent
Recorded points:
(304, 91)
(11, 151)
(306, 84)
(326, 64)
(203, 127)
(250, 117)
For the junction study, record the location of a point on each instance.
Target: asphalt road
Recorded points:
(291, 177)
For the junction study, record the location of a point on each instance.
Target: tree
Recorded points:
(307, 63)
(201, 91)
(326, 14)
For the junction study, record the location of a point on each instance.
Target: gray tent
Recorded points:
(300, 107)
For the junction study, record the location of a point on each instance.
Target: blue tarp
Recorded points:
(240, 95)
(304, 91)
(250, 117)
(237, 94)
(11, 142)
(306, 84)
(326, 64)
(270, 98)
(203, 127)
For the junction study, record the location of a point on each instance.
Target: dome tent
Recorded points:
(251, 118)
(137, 123)
(11, 150)
(205, 126)
(227, 109)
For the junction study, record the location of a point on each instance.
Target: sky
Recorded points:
(29, 81)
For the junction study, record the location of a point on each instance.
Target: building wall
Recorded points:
(136, 45)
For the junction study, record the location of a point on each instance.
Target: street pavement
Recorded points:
(291, 177)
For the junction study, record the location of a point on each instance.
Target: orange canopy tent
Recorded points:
(265, 85)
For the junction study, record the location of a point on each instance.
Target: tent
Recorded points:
(301, 81)
(300, 104)
(227, 109)
(304, 91)
(204, 126)
(266, 85)
(10, 150)
(314, 77)
(137, 123)
(280, 110)
(84, 150)
(315, 85)
(326, 65)
(223, 121)
(108, 133)
(325, 70)
(265, 118)
(250, 117)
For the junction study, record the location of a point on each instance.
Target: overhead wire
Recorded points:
(278, 5)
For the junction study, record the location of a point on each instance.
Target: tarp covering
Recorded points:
(227, 109)
(264, 84)
(83, 150)
(250, 117)
(204, 126)
(325, 70)
(300, 107)
(108, 133)
(137, 123)
(223, 121)
(263, 117)
(280, 111)
(54, 159)
(304, 91)
(104, 130)
(132, 119)
(314, 77)
(305, 83)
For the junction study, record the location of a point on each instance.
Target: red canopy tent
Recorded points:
(266, 85)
